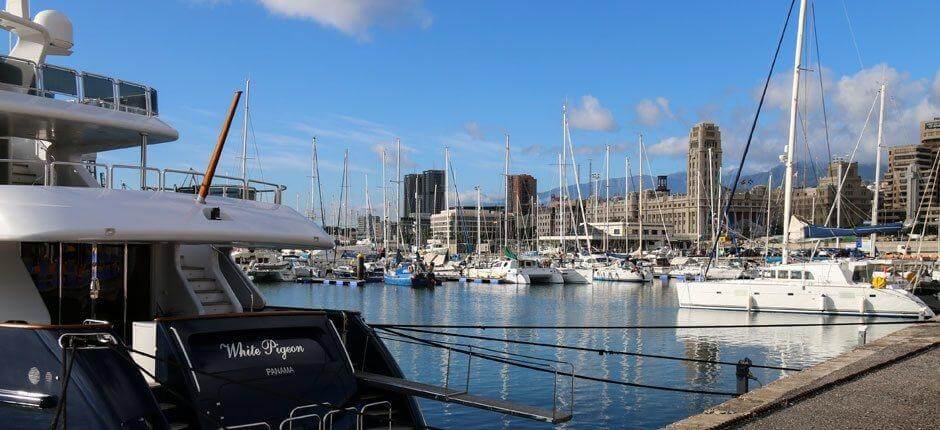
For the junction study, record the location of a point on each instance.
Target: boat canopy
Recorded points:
(73, 214)
(821, 232)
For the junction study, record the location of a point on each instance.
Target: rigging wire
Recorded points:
(858, 53)
(822, 92)
(572, 374)
(600, 351)
(644, 327)
(750, 136)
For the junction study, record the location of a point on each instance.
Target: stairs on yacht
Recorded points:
(177, 416)
(207, 290)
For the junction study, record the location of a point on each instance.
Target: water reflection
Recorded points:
(596, 405)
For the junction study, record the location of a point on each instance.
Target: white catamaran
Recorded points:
(829, 287)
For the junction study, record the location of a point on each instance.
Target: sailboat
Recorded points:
(826, 287)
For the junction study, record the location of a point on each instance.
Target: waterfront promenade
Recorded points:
(893, 382)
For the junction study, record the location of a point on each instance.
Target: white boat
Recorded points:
(826, 287)
(624, 272)
(587, 265)
(524, 271)
(570, 275)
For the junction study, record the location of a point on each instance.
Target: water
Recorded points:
(596, 405)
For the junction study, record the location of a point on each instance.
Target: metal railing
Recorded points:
(50, 81)
(50, 177)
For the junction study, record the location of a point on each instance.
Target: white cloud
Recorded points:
(670, 146)
(473, 130)
(650, 112)
(353, 17)
(591, 116)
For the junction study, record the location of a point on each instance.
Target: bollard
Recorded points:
(743, 373)
(862, 335)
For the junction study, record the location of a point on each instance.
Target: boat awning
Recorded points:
(820, 232)
(71, 214)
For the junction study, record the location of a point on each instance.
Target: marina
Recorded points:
(258, 281)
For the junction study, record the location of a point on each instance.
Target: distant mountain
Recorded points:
(676, 181)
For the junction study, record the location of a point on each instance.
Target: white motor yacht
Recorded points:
(827, 287)
(122, 307)
(625, 271)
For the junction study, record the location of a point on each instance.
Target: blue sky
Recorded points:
(358, 73)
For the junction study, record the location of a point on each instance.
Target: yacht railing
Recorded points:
(50, 177)
(56, 82)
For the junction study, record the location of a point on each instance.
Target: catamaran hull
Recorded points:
(533, 276)
(620, 275)
(572, 276)
(766, 297)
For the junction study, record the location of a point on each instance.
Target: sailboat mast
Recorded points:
(399, 197)
(770, 185)
(640, 199)
(447, 194)
(626, 205)
(606, 196)
(384, 200)
(479, 222)
(877, 186)
(577, 184)
(561, 202)
(245, 140)
(791, 138)
(316, 170)
(370, 227)
(506, 189)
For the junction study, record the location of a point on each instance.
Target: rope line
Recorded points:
(573, 375)
(599, 350)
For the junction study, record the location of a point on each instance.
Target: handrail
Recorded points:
(39, 88)
(53, 176)
(278, 189)
(133, 167)
(45, 166)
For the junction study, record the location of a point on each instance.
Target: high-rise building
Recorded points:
(522, 192)
(909, 182)
(930, 133)
(426, 187)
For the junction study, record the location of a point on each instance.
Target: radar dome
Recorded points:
(59, 27)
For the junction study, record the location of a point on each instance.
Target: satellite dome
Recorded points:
(59, 27)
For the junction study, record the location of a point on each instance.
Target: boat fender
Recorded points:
(878, 282)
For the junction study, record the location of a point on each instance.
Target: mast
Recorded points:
(770, 182)
(506, 205)
(640, 199)
(447, 194)
(535, 223)
(791, 139)
(626, 205)
(384, 201)
(245, 141)
(718, 207)
(370, 227)
(561, 202)
(874, 203)
(417, 216)
(479, 222)
(577, 181)
(606, 196)
(711, 195)
(316, 171)
(401, 238)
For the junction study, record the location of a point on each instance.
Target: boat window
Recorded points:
(782, 274)
(796, 274)
(807, 275)
(862, 273)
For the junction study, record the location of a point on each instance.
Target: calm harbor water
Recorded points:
(596, 405)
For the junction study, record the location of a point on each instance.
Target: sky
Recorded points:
(358, 74)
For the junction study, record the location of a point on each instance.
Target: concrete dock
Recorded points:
(893, 382)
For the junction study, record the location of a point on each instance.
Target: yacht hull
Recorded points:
(757, 296)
